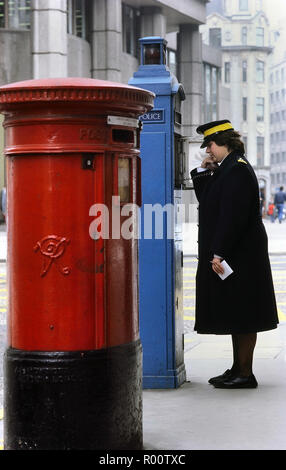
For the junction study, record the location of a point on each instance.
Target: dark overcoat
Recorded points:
(230, 225)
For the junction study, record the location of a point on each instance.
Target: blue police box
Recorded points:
(160, 245)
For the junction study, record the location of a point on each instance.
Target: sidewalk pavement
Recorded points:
(198, 416)
(276, 238)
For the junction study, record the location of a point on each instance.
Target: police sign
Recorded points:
(156, 115)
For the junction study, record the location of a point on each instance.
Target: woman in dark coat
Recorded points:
(231, 229)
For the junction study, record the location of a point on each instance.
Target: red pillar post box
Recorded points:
(73, 359)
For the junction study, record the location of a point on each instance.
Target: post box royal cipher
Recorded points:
(73, 360)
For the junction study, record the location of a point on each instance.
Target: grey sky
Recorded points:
(275, 10)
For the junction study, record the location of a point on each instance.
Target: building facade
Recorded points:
(99, 39)
(241, 30)
(277, 94)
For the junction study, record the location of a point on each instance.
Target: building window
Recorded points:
(244, 70)
(227, 72)
(277, 76)
(15, 14)
(244, 139)
(260, 151)
(130, 29)
(260, 109)
(215, 37)
(76, 21)
(244, 35)
(172, 61)
(243, 5)
(210, 85)
(260, 36)
(260, 71)
(244, 109)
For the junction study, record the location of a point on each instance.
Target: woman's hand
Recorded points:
(216, 265)
(209, 163)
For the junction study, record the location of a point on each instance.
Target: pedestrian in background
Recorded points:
(3, 202)
(271, 211)
(279, 199)
(231, 229)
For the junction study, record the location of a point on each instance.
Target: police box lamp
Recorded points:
(153, 50)
(210, 129)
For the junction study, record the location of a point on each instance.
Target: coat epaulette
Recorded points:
(242, 161)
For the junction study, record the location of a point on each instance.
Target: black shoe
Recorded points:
(237, 382)
(220, 378)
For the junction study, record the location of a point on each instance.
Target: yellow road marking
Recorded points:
(281, 315)
(187, 317)
(189, 340)
(185, 296)
(1, 413)
(3, 310)
(189, 308)
(1, 444)
(3, 290)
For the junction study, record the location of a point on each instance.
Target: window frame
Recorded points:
(244, 34)
(132, 46)
(243, 5)
(260, 71)
(72, 18)
(6, 16)
(260, 105)
(216, 35)
(259, 42)
(244, 108)
(227, 71)
(260, 148)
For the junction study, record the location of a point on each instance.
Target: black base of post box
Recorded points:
(73, 400)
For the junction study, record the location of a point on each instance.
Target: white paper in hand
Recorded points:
(227, 270)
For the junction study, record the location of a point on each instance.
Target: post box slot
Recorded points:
(122, 135)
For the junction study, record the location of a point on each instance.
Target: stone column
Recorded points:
(49, 38)
(190, 74)
(153, 22)
(106, 40)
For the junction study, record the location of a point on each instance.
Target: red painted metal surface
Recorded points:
(68, 291)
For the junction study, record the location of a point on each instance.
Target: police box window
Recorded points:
(15, 14)
(130, 29)
(172, 61)
(77, 18)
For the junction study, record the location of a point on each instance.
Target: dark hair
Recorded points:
(281, 188)
(231, 139)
